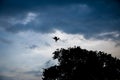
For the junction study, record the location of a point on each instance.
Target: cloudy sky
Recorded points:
(27, 28)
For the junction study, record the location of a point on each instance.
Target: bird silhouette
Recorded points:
(56, 38)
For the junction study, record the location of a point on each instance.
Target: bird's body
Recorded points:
(56, 38)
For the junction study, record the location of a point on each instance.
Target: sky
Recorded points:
(28, 26)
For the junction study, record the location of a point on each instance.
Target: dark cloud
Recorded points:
(14, 5)
(88, 17)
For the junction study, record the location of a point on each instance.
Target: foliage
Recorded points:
(81, 64)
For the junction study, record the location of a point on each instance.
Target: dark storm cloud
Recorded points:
(21, 5)
(72, 16)
(17, 5)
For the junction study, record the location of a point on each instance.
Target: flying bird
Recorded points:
(56, 38)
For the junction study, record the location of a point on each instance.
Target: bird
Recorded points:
(56, 38)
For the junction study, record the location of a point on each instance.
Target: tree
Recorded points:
(81, 64)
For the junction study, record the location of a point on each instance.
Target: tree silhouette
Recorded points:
(81, 64)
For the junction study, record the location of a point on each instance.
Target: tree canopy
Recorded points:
(80, 64)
